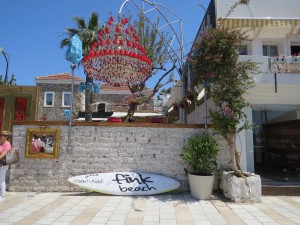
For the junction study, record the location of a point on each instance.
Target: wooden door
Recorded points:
(4, 111)
(17, 103)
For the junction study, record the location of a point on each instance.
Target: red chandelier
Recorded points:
(117, 57)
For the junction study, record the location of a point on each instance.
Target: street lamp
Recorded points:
(6, 73)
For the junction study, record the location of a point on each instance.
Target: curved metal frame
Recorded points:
(6, 56)
(171, 52)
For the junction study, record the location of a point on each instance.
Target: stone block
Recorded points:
(239, 189)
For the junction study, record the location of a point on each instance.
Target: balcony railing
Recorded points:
(285, 64)
(279, 64)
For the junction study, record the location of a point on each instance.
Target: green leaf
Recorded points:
(201, 153)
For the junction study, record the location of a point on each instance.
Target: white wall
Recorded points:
(260, 8)
(198, 115)
(288, 84)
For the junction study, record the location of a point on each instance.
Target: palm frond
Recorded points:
(64, 42)
(79, 22)
(93, 22)
(71, 31)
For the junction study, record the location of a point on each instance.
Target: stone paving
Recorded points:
(23, 208)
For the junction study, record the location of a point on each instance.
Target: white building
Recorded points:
(273, 148)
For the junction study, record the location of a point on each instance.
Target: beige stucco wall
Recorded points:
(259, 8)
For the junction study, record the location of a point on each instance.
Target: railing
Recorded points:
(279, 64)
(287, 64)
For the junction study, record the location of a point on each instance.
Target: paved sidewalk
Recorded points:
(167, 209)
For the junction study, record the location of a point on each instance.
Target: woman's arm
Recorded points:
(6, 148)
(3, 153)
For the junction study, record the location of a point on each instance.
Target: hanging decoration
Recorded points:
(138, 97)
(159, 97)
(95, 88)
(116, 57)
(74, 51)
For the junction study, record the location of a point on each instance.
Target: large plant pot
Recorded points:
(201, 186)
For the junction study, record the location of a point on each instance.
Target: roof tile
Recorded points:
(59, 76)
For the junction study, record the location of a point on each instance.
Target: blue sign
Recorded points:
(67, 114)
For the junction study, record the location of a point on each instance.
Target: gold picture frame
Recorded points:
(42, 143)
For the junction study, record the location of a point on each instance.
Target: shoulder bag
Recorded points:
(12, 157)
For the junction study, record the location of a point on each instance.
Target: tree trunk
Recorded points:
(88, 102)
(130, 112)
(234, 156)
(238, 159)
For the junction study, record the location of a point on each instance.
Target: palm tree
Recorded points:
(87, 34)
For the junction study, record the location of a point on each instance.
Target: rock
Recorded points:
(239, 189)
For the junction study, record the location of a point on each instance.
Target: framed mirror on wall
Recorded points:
(42, 142)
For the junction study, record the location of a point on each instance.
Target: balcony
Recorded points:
(286, 67)
(262, 62)
(285, 64)
(280, 64)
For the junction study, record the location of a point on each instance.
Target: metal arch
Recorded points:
(168, 23)
(6, 56)
(169, 48)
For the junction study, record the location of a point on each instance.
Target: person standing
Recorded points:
(5, 146)
(37, 144)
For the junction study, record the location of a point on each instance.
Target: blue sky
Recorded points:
(31, 31)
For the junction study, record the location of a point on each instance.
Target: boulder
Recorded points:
(241, 189)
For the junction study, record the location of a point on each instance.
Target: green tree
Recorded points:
(155, 47)
(166, 91)
(11, 82)
(87, 33)
(216, 61)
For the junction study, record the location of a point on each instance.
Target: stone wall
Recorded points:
(56, 113)
(104, 147)
(113, 102)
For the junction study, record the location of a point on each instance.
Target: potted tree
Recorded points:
(217, 63)
(201, 154)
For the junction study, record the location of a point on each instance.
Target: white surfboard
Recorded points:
(126, 183)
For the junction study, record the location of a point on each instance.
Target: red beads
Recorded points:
(117, 57)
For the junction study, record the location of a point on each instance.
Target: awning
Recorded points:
(260, 22)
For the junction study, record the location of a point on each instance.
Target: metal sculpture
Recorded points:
(170, 23)
(117, 57)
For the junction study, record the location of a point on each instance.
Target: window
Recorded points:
(270, 50)
(49, 99)
(243, 50)
(66, 99)
(101, 107)
(295, 50)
